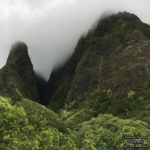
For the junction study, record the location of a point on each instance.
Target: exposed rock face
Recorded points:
(17, 76)
(115, 55)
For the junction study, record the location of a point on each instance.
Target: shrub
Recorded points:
(18, 133)
(39, 116)
(107, 132)
(131, 94)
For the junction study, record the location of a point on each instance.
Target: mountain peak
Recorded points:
(18, 73)
(114, 55)
(18, 53)
(19, 46)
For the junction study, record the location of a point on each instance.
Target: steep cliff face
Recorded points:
(115, 55)
(17, 76)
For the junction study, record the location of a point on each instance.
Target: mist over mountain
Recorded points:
(93, 101)
(17, 77)
(51, 28)
(114, 55)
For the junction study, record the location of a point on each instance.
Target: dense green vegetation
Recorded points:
(18, 74)
(107, 132)
(23, 129)
(101, 94)
(28, 125)
(39, 116)
(114, 55)
(102, 102)
(95, 123)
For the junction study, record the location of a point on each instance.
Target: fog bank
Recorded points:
(51, 28)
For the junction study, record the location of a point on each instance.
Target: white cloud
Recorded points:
(51, 28)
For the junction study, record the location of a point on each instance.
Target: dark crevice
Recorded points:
(41, 86)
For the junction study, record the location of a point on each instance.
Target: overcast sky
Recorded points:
(51, 28)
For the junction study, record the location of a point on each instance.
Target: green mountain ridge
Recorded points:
(100, 96)
(114, 55)
(18, 76)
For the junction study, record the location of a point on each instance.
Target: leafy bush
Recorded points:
(131, 94)
(77, 117)
(39, 116)
(107, 132)
(18, 133)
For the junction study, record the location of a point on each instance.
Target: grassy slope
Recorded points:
(39, 116)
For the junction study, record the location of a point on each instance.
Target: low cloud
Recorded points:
(51, 28)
